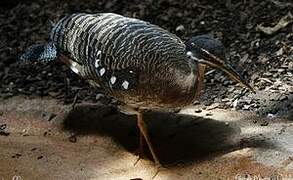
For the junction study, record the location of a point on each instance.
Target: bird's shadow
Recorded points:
(176, 138)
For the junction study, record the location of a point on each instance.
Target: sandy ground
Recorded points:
(98, 142)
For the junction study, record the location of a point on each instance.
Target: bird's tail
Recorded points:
(40, 52)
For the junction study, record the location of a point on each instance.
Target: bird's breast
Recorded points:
(164, 89)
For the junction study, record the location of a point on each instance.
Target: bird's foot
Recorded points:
(159, 168)
(137, 160)
(140, 153)
(140, 150)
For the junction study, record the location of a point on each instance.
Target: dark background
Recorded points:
(265, 60)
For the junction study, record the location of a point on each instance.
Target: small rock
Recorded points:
(197, 110)
(270, 115)
(264, 123)
(279, 52)
(17, 155)
(52, 116)
(40, 157)
(263, 58)
(246, 107)
(2, 133)
(281, 70)
(244, 59)
(72, 139)
(32, 89)
(213, 106)
(267, 74)
(99, 96)
(3, 127)
(176, 110)
(196, 103)
(180, 28)
(209, 114)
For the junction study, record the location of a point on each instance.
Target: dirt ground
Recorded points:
(97, 142)
(230, 132)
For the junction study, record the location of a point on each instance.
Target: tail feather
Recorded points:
(40, 52)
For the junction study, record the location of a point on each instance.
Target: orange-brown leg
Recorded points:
(140, 150)
(144, 131)
(144, 135)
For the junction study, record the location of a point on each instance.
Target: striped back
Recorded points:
(114, 49)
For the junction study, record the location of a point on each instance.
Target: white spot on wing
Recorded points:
(125, 84)
(98, 54)
(98, 59)
(130, 71)
(102, 71)
(113, 79)
(97, 63)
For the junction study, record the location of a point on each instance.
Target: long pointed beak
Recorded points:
(215, 62)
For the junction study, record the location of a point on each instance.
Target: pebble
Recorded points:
(197, 110)
(99, 96)
(180, 28)
(17, 155)
(176, 110)
(72, 139)
(209, 114)
(52, 116)
(40, 157)
(264, 123)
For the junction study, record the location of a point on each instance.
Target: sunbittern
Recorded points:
(138, 63)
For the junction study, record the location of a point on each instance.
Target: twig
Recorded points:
(281, 4)
(284, 21)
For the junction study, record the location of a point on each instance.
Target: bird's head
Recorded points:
(205, 50)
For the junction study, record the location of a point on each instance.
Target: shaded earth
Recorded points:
(46, 140)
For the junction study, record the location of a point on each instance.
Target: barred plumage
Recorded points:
(131, 51)
(139, 63)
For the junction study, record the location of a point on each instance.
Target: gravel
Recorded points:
(265, 60)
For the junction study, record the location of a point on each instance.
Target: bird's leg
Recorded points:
(143, 130)
(201, 70)
(144, 135)
(140, 149)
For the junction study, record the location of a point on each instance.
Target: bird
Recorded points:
(136, 62)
